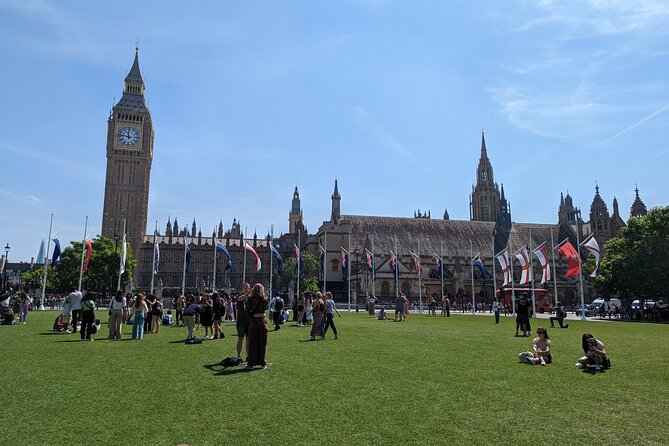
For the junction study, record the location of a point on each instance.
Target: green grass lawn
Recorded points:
(425, 381)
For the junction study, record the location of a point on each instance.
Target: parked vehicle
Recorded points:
(589, 310)
(542, 298)
(609, 305)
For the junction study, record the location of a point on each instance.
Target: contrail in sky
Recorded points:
(657, 112)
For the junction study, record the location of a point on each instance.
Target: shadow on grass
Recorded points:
(47, 333)
(220, 370)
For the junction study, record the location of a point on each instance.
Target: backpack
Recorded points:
(193, 341)
(231, 361)
(278, 305)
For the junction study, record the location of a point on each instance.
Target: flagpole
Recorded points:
(213, 281)
(153, 257)
(121, 260)
(580, 271)
(513, 286)
(46, 265)
(471, 267)
(553, 266)
(531, 271)
(420, 292)
(373, 269)
(271, 259)
(83, 248)
(244, 266)
(183, 277)
(298, 259)
(494, 274)
(396, 272)
(349, 272)
(325, 262)
(441, 257)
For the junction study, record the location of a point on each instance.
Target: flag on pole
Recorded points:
(416, 261)
(89, 251)
(188, 254)
(394, 265)
(321, 259)
(503, 259)
(523, 257)
(371, 264)
(279, 259)
(56, 257)
(344, 264)
(124, 249)
(221, 247)
(440, 264)
(156, 258)
(592, 246)
(481, 267)
(298, 259)
(573, 262)
(253, 251)
(541, 252)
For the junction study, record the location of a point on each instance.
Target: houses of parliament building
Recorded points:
(489, 230)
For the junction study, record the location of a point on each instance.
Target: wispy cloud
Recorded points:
(49, 158)
(29, 199)
(380, 134)
(636, 124)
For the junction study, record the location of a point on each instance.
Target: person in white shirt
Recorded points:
(115, 323)
(75, 304)
(25, 302)
(330, 310)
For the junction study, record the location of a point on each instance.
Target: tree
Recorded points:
(638, 260)
(102, 269)
(308, 275)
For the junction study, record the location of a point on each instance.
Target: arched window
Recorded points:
(385, 289)
(406, 288)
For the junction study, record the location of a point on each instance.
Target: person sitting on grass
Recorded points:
(382, 314)
(168, 319)
(594, 353)
(58, 325)
(541, 347)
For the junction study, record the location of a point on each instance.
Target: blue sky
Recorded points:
(252, 98)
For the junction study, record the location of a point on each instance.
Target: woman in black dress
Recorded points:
(207, 316)
(219, 310)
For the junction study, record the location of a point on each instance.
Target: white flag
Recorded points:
(542, 254)
(503, 259)
(523, 257)
(592, 246)
(123, 254)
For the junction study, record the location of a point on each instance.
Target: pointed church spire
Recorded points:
(336, 204)
(484, 151)
(446, 216)
(502, 197)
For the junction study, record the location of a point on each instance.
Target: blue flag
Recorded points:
(229, 265)
(479, 265)
(55, 258)
(344, 264)
(279, 259)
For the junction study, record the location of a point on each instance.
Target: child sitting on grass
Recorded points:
(382, 314)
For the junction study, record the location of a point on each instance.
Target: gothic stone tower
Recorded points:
(129, 157)
(295, 215)
(484, 200)
(599, 218)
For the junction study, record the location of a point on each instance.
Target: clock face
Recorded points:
(128, 136)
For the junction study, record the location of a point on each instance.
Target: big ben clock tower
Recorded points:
(129, 157)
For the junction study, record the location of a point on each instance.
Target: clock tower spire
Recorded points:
(129, 158)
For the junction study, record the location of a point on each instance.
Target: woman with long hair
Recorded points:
(139, 310)
(541, 348)
(300, 310)
(219, 309)
(593, 353)
(115, 322)
(257, 305)
(318, 329)
(207, 316)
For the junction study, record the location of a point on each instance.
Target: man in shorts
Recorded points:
(242, 320)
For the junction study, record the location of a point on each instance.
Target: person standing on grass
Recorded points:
(300, 310)
(399, 307)
(75, 304)
(179, 308)
(115, 322)
(276, 311)
(523, 307)
(156, 314)
(406, 307)
(330, 310)
(242, 319)
(25, 301)
(219, 309)
(309, 301)
(257, 338)
(318, 307)
(229, 308)
(371, 304)
(495, 309)
(87, 317)
(139, 310)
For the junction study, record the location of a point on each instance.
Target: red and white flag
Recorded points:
(592, 246)
(504, 262)
(253, 251)
(89, 250)
(542, 254)
(523, 257)
(573, 262)
(416, 262)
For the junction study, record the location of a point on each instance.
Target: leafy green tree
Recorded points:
(638, 260)
(308, 276)
(102, 269)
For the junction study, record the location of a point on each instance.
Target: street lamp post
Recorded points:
(4, 273)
